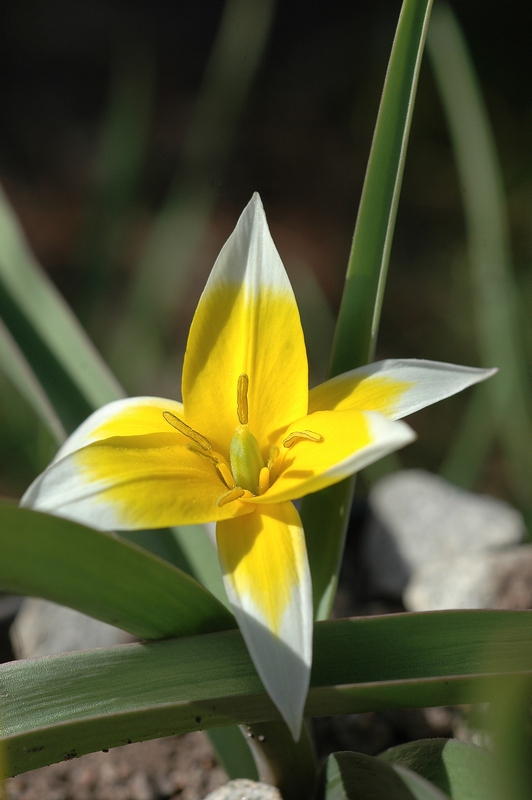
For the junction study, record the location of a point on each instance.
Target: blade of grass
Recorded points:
(62, 706)
(325, 515)
(509, 725)
(165, 262)
(72, 374)
(472, 442)
(118, 164)
(16, 368)
(495, 301)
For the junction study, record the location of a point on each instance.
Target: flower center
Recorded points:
(248, 475)
(244, 452)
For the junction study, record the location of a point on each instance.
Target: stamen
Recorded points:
(264, 480)
(186, 430)
(232, 494)
(274, 455)
(242, 398)
(200, 452)
(301, 436)
(225, 475)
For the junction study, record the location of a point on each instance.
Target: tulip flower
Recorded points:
(247, 440)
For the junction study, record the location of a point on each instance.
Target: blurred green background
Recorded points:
(133, 134)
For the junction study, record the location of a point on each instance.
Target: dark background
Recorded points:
(302, 141)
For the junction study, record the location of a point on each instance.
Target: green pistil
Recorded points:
(245, 459)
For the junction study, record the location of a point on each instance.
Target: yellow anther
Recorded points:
(186, 430)
(233, 494)
(242, 398)
(264, 480)
(301, 436)
(225, 475)
(194, 448)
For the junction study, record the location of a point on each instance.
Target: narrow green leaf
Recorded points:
(60, 706)
(118, 162)
(72, 374)
(165, 262)
(232, 750)
(16, 368)
(509, 729)
(463, 771)
(202, 557)
(355, 776)
(289, 765)
(472, 441)
(497, 312)
(326, 514)
(103, 576)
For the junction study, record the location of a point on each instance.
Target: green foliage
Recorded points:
(353, 776)
(462, 771)
(103, 576)
(325, 515)
(102, 698)
(58, 707)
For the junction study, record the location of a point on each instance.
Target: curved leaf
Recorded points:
(60, 706)
(64, 361)
(355, 776)
(103, 576)
(463, 771)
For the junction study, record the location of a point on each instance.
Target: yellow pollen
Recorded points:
(264, 480)
(242, 398)
(233, 494)
(186, 430)
(301, 436)
(226, 476)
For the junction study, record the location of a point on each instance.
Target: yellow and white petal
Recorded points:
(395, 387)
(350, 441)
(129, 417)
(247, 322)
(133, 482)
(267, 579)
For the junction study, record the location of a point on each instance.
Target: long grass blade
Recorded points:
(325, 514)
(164, 264)
(63, 706)
(16, 368)
(63, 360)
(496, 307)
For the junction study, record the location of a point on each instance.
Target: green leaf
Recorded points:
(63, 360)
(79, 702)
(103, 576)
(354, 776)
(232, 750)
(325, 515)
(498, 314)
(463, 771)
(508, 720)
(165, 263)
(201, 555)
(111, 209)
(18, 371)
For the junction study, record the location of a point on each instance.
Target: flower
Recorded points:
(246, 441)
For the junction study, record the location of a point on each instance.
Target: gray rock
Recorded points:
(242, 789)
(42, 629)
(475, 580)
(419, 518)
